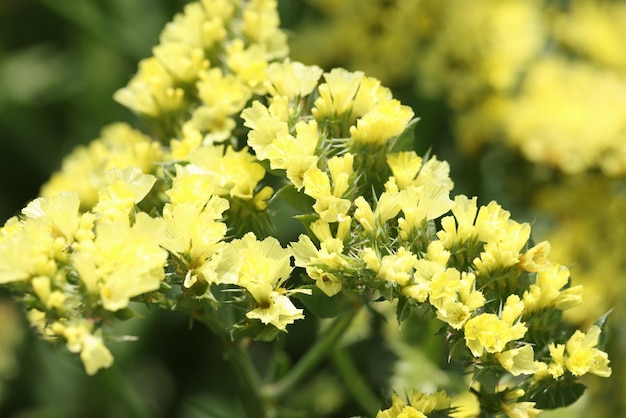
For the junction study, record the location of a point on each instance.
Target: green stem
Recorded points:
(247, 381)
(124, 393)
(246, 377)
(320, 349)
(354, 382)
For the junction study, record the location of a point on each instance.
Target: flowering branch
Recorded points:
(182, 219)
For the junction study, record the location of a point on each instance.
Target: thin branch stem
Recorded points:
(360, 391)
(247, 381)
(321, 348)
(246, 376)
(124, 393)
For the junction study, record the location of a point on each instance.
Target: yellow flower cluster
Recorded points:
(178, 220)
(85, 249)
(211, 58)
(547, 79)
(119, 146)
(583, 210)
(540, 82)
(74, 265)
(478, 272)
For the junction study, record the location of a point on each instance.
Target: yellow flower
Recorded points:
(556, 368)
(123, 189)
(249, 64)
(211, 122)
(423, 203)
(398, 404)
(266, 124)
(363, 214)
(444, 285)
(342, 172)
(200, 25)
(248, 262)
(232, 173)
(425, 271)
(260, 25)
(195, 236)
(26, 249)
(397, 267)
(376, 127)
(514, 409)
(404, 166)
(188, 187)
(317, 261)
(183, 61)
(294, 154)
(93, 353)
(368, 96)
(460, 227)
(430, 402)
(61, 210)
(520, 361)
(124, 261)
(292, 79)
(583, 357)
(488, 332)
(546, 291)
(420, 406)
(276, 309)
(536, 258)
(388, 205)
(336, 94)
(225, 94)
(452, 294)
(330, 207)
(152, 91)
(119, 146)
(261, 267)
(190, 140)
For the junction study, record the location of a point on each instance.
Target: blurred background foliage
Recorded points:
(527, 111)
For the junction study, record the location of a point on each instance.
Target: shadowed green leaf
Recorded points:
(405, 140)
(322, 305)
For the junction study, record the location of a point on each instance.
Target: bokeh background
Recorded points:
(526, 99)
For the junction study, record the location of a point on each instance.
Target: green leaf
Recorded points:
(296, 199)
(405, 140)
(551, 394)
(322, 305)
(601, 323)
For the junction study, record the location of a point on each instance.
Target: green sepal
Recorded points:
(126, 314)
(254, 329)
(322, 305)
(601, 323)
(306, 221)
(551, 394)
(403, 309)
(405, 140)
(296, 199)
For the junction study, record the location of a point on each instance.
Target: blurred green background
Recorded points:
(60, 63)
